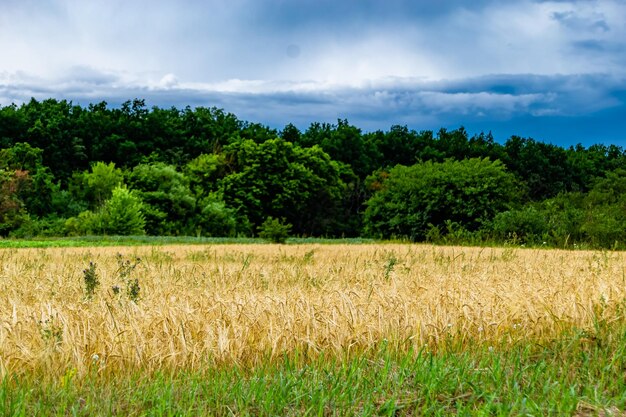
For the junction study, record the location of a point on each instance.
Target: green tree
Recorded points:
(274, 230)
(12, 212)
(21, 156)
(346, 144)
(36, 193)
(169, 202)
(97, 185)
(122, 214)
(453, 144)
(543, 167)
(291, 133)
(605, 221)
(208, 130)
(216, 219)
(52, 127)
(13, 126)
(281, 180)
(397, 146)
(204, 172)
(359, 157)
(412, 200)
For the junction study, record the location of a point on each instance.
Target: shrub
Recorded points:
(216, 219)
(122, 214)
(274, 230)
(527, 224)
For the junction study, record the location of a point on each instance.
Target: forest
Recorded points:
(69, 170)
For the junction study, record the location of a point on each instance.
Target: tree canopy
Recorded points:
(412, 200)
(202, 171)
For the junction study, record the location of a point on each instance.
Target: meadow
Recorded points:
(311, 329)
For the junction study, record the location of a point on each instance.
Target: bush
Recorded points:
(86, 223)
(44, 227)
(453, 234)
(565, 215)
(527, 225)
(605, 226)
(215, 219)
(274, 230)
(122, 214)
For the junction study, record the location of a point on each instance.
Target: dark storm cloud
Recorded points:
(376, 106)
(422, 63)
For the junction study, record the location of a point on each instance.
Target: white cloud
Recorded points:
(212, 42)
(168, 81)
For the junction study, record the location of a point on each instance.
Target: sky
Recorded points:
(551, 70)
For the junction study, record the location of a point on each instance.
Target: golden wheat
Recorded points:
(246, 304)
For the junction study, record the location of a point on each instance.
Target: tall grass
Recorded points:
(250, 305)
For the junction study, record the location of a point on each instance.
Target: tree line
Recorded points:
(66, 170)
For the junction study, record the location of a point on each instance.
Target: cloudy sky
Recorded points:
(551, 70)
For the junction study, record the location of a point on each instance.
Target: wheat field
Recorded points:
(247, 304)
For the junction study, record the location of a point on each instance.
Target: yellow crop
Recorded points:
(223, 304)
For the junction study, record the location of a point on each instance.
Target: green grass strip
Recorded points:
(577, 374)
(98, 241)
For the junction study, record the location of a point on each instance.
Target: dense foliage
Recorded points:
(414, 199)
(72, 170)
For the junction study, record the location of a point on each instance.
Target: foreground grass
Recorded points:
(581, 373)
